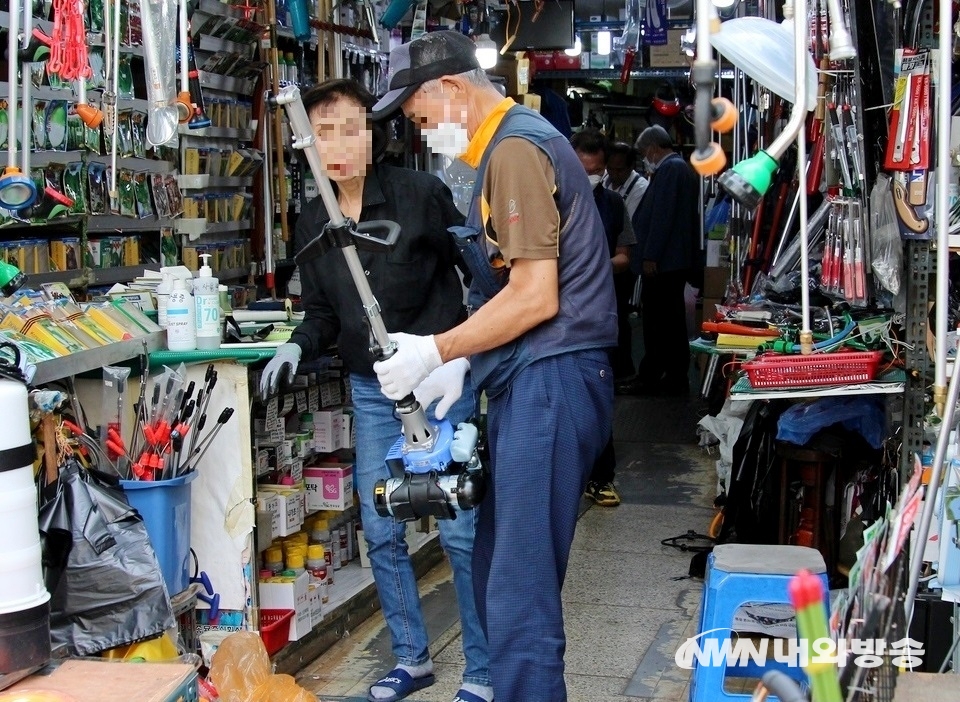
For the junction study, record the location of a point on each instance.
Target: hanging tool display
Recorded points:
(159, 22)
(436, 470)
(629, 43)
(190, 108)
(908, 149)
(17, 190)
(112, 90)
(843, 272)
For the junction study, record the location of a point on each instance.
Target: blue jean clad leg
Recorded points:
(545, 432)
(377, 431)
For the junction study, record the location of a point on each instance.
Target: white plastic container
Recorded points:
(181, 328)
(163, 297)
(206, 294)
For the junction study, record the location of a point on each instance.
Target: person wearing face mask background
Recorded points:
(667, 225)
(591, 147)
(543, 315)
(419, 291)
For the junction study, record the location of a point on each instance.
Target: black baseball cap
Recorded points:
(428, 57)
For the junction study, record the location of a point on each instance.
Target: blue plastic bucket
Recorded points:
(165, 508)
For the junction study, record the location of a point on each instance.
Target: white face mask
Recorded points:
(448, 138)
(649, 165)
(594, 180)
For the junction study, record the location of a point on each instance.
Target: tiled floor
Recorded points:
(628, 602)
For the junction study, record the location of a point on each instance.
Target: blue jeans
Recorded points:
(377, 431)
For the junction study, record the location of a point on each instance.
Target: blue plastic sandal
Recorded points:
(467, 696)
(402, 684)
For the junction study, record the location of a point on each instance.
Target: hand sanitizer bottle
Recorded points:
(206, 293)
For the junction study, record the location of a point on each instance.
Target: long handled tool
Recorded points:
(114, 90)
(184, 103)
(17, 190)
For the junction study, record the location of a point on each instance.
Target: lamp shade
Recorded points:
(763, 49)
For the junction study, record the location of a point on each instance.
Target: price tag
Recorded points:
(287, 404)
(301, 401)
(313, 399)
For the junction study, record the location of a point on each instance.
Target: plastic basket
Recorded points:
(165, 508)
(275, 628)
(788, 371)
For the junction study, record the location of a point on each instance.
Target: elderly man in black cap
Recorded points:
(542, 316)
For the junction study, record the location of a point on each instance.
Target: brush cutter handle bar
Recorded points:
(340, 232)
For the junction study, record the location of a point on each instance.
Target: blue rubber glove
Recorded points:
(286, 360)
(445, 383)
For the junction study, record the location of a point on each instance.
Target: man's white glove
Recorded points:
(416, 357)
(446, 383)
(287, 357)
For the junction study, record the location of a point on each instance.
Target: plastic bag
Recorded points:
(241, 673)
(864, 415)
(100, 568)
(887, 261)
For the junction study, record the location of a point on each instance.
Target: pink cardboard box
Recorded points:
(329, 486)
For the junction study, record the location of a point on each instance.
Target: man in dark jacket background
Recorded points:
(666, 225)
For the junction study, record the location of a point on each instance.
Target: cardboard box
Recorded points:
(269, 503)
(315, 601)
(329, 486)
(668, 55)
(292, 506)
(530, 100)
(289, 593)
(327, 428)
(516, 71)
(715, 281)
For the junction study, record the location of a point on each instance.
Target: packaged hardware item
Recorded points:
(158, 188)
(131, 250)
(168, 247)
(128, 195)
(92, 140)
(65, 254)
(111, 252)
(91, 258)
(174, 195)
(125, 133)
(39, 126)
(138, 125)
(76, 130)
(74, 186)
(141, 183)
(125, 75)
(97, 185)
(4, 128)
(55, 125)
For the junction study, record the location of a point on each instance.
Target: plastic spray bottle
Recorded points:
(163, 296)
(181, 327)
(206, 293)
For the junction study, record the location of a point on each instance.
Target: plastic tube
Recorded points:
(158, 359)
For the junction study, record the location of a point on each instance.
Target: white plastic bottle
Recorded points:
(163, 297)
(206, 295)
(181, 329)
